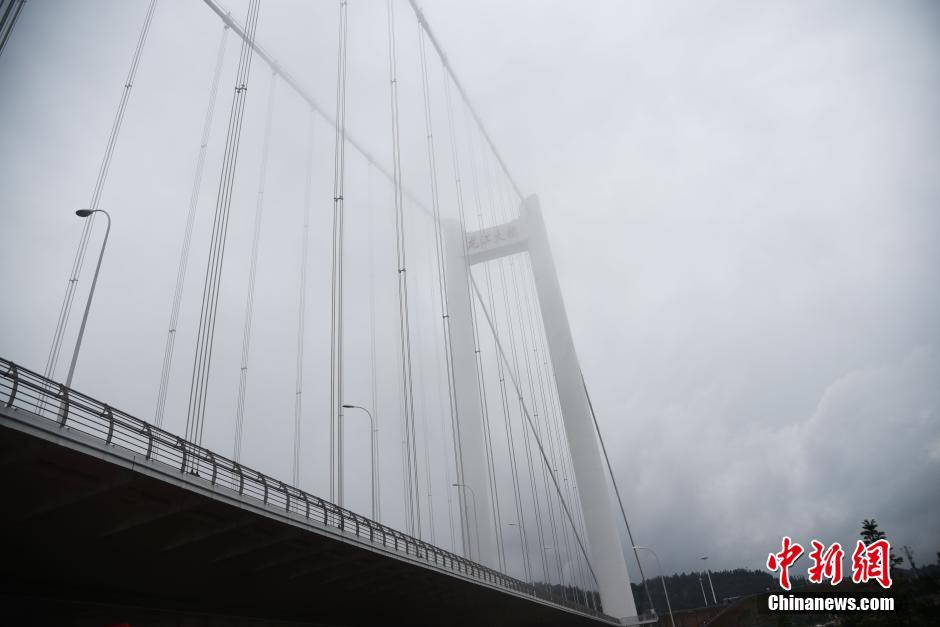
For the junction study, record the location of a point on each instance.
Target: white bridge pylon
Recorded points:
(528, 234)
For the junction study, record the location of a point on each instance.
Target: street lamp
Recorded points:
(84, 213)
(710, 585)
(371, 450)
(672, 618)
(525, 557)
(476, 522)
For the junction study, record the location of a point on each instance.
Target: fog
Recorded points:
(742, 198)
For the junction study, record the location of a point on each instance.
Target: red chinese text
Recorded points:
(784, 559)
(872, 562)
(827, 563)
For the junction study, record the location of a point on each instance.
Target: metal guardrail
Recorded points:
(24, 389)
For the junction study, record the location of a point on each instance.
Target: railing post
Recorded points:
(149, 439)
(241, 478)
(182, 444)
(215, 468)
(16, 383)
(110, 418)
(64, 409)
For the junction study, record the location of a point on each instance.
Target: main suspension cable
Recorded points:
(202, 361)
(79, 261)
(463, 93)
(188, 232)
(292, 83)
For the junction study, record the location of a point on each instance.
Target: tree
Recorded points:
(871, 533)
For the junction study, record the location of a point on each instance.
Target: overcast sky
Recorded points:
(743, 201)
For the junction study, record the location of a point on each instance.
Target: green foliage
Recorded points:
(685, 590)
(871, 533)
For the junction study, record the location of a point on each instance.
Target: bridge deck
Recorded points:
(87, 521)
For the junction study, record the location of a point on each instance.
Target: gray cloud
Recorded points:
(742, 200)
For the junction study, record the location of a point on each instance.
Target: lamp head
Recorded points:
(349, 407)
(84, 213)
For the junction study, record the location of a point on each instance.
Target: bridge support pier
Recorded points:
(607, 555)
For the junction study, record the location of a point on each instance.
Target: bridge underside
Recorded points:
(87, 537)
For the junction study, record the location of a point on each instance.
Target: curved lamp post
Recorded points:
(371, 449)
(672, 618)
(84, 213)
(710, 584)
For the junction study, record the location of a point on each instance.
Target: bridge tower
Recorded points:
(528, 234)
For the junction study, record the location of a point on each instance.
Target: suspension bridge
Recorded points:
(441, 326)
